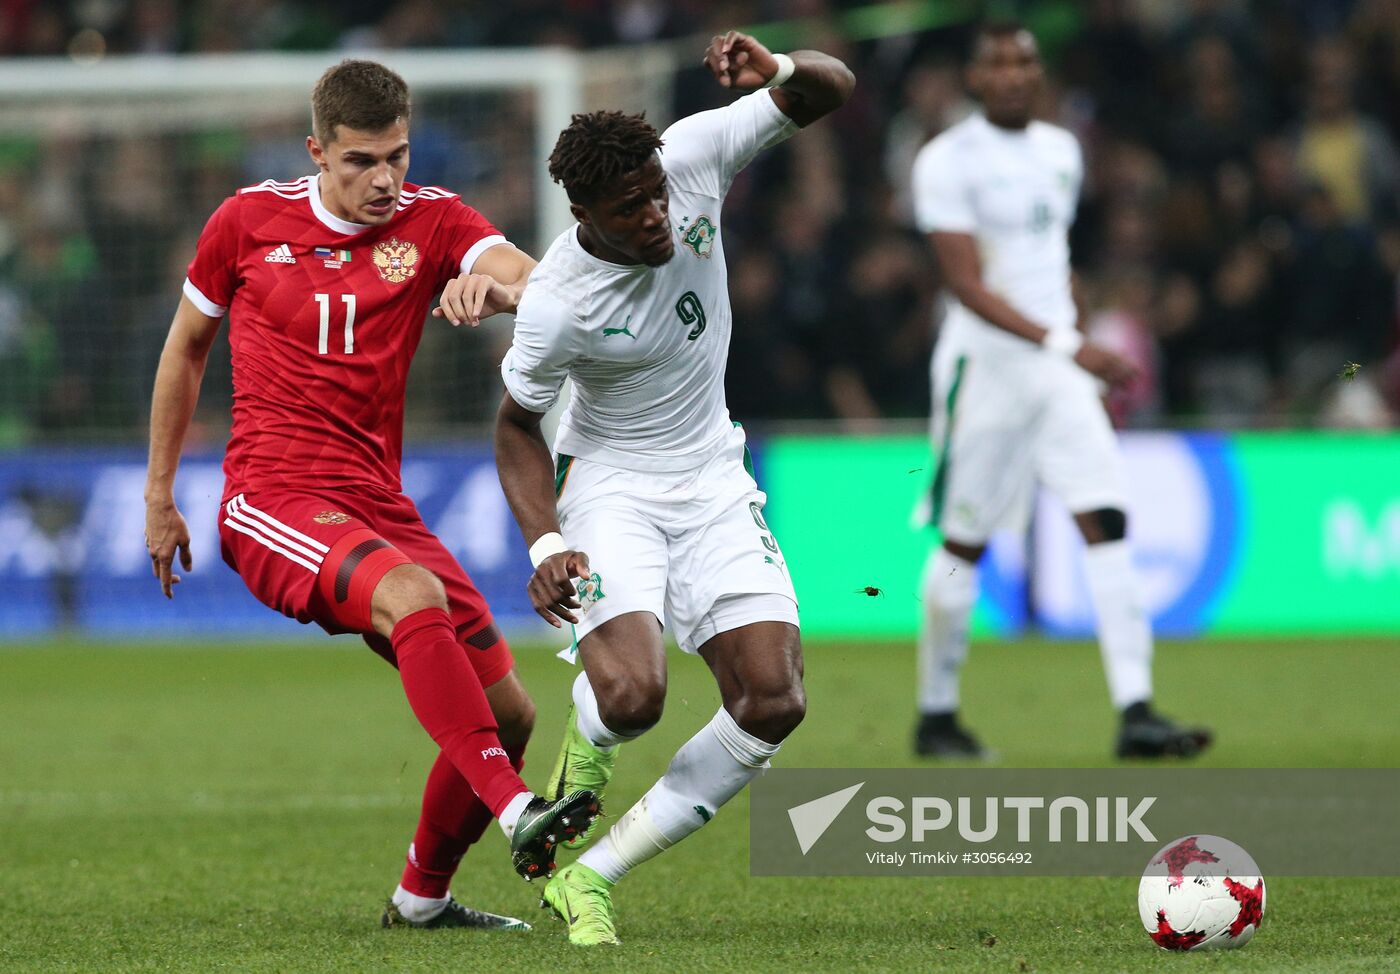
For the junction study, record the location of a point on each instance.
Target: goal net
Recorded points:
(109, 170)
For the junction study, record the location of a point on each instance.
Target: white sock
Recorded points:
(415, 908)
(950, 592)
(709, 769)
(511, 813)
(1125, 634)
(590, 722)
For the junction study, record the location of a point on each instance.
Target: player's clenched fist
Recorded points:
(740, 61)
(471, 297)
(552, 590)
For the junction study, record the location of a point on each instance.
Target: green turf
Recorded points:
(247, 809)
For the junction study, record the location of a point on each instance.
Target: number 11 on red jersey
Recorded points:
(324, 300)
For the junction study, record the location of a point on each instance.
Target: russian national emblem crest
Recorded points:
(395, 259)
(699, 236)
(331, 517)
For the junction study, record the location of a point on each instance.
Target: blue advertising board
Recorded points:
(74, 557)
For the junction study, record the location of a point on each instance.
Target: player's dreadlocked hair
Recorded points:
(597, 148)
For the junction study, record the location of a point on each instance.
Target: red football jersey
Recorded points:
(324, 318)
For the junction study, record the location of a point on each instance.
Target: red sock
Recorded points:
(447, 698)
(453, 820)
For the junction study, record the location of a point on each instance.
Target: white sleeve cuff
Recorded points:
(198, 299)
(1062, 341)
(780, 119)
(479, 248)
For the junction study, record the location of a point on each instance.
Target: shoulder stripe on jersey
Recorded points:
(300, 183)
(277, 192)
(425, 193)
(240, 505)
(295, 189)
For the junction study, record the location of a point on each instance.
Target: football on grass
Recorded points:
(1201, 892)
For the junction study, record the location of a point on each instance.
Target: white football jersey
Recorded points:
(645, 346)
(1016, 192)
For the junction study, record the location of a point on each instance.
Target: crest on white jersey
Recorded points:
(699, 236)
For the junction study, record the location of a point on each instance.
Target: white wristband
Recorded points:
(1062, 342)
(785, 70)
(546, 545)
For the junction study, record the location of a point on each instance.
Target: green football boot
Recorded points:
(582, 899)
(581, 765)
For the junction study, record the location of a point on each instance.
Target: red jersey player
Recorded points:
(326, 281)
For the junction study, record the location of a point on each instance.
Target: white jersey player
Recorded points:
(650, 501)
(1016, 392)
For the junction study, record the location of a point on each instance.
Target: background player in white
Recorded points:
(1015, 395)
(658, 509)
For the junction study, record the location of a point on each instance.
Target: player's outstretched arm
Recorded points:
(178, 378)
(817, 85)
(527, 478)
(494, 284)
(962, 271)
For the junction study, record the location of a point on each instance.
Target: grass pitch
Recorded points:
(246, 808)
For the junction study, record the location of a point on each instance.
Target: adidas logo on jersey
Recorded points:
(281, 255)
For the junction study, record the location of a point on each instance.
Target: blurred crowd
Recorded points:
(1239, 234)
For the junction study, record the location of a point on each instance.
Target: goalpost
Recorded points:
(144, 95)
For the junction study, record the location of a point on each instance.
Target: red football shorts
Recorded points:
(316, 555)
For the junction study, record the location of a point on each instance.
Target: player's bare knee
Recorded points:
(772, 713)
(771, 701)
(630, 701)
(404, 590)
(631, 707)
(783, 713)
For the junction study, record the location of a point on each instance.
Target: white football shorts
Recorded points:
(692, 547)
(1002, 424)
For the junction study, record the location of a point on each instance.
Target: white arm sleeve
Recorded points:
(548, 338)
(703, 152)
(942, 197)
